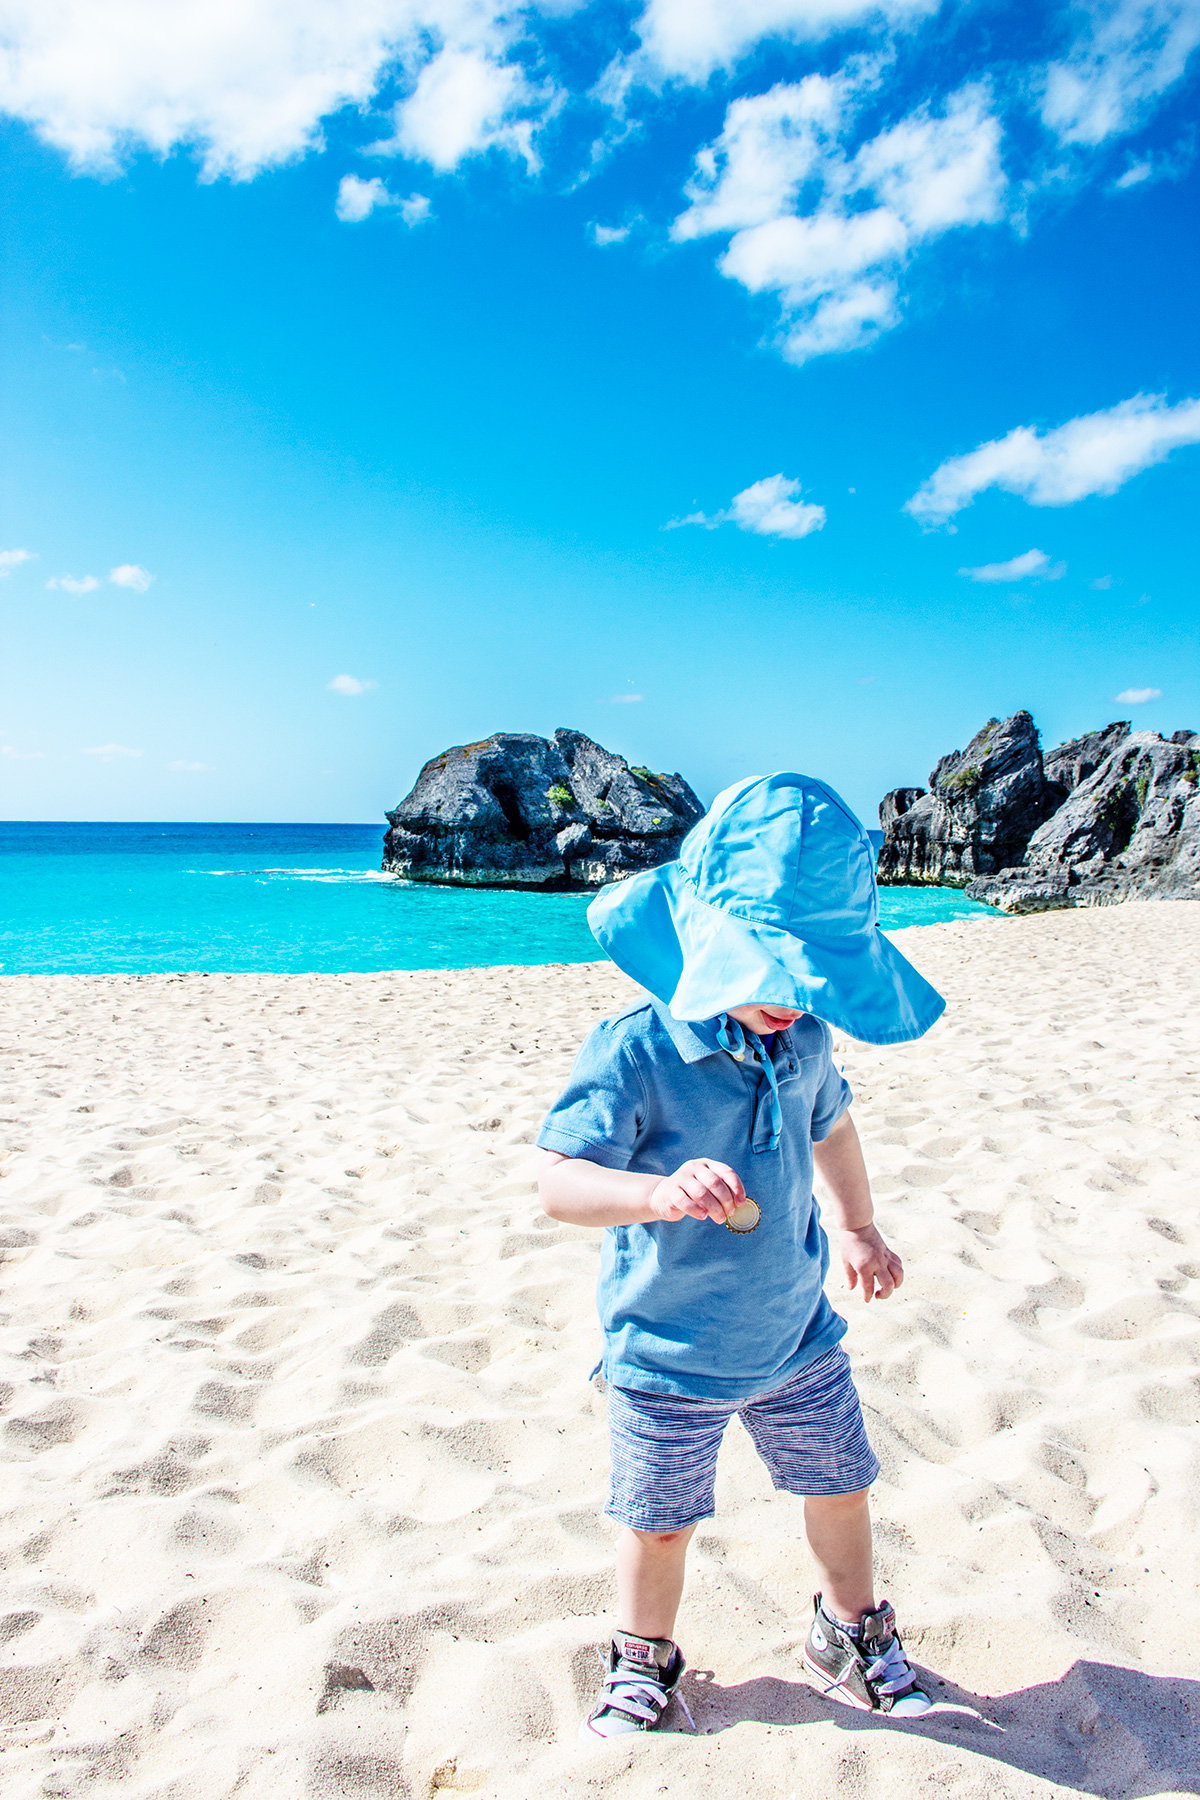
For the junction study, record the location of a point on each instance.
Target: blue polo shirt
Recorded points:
(693, 1308)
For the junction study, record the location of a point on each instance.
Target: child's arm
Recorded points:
(585, 1193)
(865, 1256)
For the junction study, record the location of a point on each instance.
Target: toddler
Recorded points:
(689, 1130)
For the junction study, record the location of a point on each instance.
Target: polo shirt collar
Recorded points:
(696, 1038)
(693, 1038)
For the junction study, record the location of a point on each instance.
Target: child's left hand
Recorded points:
(867, 1259)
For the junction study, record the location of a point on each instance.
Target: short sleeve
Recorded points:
(600, 1111)
(833, 1096)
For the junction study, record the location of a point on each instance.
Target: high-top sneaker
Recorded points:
(866, 1668)
(643, 1673)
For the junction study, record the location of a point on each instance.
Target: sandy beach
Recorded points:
(303, 1474)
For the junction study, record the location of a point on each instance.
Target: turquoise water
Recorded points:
(132, 899)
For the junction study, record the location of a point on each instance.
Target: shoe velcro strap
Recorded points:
(636, 1699)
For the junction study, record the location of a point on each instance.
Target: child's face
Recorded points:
(763, 1020)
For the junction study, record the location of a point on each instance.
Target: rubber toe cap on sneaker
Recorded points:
(913, 1706)
(608, 1725)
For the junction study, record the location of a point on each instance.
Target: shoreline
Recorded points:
(307, 1476)
(984, 917)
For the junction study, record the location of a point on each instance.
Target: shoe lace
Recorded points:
(891, 1671)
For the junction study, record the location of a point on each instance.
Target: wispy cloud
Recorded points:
(468, 99)
(358, 199)
(129, 575)
(1137, 696)
(70, 584)
(12, 559)
(625, 699)
(191, 768)
(246, 87)
(349, 685)
(1095, 454)
(769, 508)
(111, 752)
(826, 230)
(1018, 568)
(1103, 582)
(1132, 177)
(15, 755)
(690, 42)
(608, 234)
(1127, 55)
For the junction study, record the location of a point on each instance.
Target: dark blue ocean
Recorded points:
(133, 899)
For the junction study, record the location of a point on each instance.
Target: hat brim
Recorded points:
(700, 960)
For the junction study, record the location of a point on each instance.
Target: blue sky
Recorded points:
(661, 377)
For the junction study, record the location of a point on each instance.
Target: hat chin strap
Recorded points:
(732, 1038)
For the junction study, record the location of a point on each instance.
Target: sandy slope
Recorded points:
(302, 1473)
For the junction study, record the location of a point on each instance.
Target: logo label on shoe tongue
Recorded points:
(637, 1650)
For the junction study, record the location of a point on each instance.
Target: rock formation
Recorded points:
(1109, 816)
(984, 804)
(1074, 761)
(529, 812)
(1131, 830)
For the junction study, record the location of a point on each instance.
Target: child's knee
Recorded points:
(833, 1505)
(663, 1540)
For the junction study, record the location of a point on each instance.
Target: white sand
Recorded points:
(303, 1476)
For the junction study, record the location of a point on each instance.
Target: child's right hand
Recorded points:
(700, 1189)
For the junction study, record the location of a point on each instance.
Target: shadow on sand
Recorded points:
(1103, 1730)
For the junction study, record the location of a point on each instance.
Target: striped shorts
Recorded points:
(809, 1432)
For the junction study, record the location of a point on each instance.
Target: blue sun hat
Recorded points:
(771, 902)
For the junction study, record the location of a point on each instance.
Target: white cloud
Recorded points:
(128, 575)
(826, 230)
(938, 171)
(21, 755)
(1137, 696)
(770, 143)
(1103, 582)
(1095, 454)
(1130, 53)
(247, 85)
(12, 559)
(350, 685)
(688, 39)
(71, 584)
(111, 752)
(769, 508)
(625, 699)
(466, 100)
(1018, 568)
(357, 200)
(191, 768)
(609, 234)
(1139, 172)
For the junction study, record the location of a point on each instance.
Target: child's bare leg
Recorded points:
(839, 1535)
(650, 1580)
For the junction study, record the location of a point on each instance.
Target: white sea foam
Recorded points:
(338, 875)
